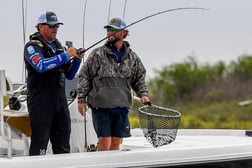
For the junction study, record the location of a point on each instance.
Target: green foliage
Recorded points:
(243, 67)
(226, 115)
(134, 122)
(222, 115)
(176, 82)
(206, 95)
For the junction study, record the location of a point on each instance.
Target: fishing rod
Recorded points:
(80, 51)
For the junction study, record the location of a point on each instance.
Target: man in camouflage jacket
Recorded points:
(105, 83)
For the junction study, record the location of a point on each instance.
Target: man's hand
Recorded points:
(71, 52)
(82, 108)
(145, 100)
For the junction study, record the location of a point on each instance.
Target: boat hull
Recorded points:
(191, 147)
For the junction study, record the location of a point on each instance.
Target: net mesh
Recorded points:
(159, 124)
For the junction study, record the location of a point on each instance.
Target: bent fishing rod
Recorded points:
(80, 51)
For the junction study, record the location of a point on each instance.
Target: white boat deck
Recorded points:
(190, 147)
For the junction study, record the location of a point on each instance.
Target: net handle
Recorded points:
(139, 100)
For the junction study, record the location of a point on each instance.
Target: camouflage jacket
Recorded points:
(104, 84)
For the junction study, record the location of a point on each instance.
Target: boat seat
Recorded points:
(16, 126)
(20, 125)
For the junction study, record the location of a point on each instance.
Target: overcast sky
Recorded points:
(222, 33)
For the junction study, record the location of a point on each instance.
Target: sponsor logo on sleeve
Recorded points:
(51, 66)
(50, 60)
(30, 50)
(36, 59)
(60, 59)
(40, 65)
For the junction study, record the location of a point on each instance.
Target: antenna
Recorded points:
(83, 26)
(124, 10)
(109, 10)
(24, 16)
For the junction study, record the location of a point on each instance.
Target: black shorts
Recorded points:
(109, 123)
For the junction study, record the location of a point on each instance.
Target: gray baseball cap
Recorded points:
(116, 23)
(48, 17)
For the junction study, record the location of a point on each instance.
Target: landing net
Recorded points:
(159, 124)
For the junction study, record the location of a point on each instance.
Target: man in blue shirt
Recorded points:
(48, 64)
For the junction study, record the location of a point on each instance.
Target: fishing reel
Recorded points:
(14, 103)
(80, 52)
(18, 96)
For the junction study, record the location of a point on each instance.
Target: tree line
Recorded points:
(189, 81)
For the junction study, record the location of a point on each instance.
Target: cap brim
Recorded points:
(112, 26)
(54, 23)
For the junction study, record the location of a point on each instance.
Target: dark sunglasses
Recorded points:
(112, 29)
(52, 25)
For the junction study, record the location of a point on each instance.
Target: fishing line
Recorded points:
(80, 51)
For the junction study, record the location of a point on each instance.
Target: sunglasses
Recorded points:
(109, 29)
(52, 25)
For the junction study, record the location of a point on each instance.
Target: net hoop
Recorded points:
(159, 124)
